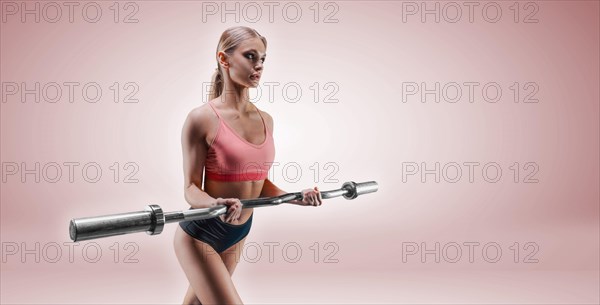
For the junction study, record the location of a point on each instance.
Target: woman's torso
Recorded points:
(250, 132)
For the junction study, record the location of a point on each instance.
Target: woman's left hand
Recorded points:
(311, 197)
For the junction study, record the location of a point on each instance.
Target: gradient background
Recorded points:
(368, 134)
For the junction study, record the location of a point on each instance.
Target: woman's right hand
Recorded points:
(234, 208)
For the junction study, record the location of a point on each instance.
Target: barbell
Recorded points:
(152, 219)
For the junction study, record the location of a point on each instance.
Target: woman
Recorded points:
(233, 141)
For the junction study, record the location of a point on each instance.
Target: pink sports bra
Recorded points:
(232, 158)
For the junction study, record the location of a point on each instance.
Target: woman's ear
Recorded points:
(223, 59)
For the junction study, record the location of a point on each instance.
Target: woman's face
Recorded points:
(246, 62)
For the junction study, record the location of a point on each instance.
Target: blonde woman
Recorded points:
(232, 140)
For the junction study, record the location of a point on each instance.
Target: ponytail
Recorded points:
(216, 84)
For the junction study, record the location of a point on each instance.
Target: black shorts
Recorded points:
(217, 233)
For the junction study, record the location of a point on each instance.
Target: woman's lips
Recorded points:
(255, 77)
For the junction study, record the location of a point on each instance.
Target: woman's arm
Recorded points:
(194, 157)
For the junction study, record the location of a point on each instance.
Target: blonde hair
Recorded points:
(230, 40)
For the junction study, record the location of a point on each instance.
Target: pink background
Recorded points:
(368, 135)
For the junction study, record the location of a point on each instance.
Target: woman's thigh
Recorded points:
(231, 256)
(205, 270)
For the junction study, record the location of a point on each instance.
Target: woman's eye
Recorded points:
(251, 57)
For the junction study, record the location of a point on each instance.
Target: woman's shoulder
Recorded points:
(202, 117)
(203, 113)
(268, 118)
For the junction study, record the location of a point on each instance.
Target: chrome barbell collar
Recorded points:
(158, 219)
